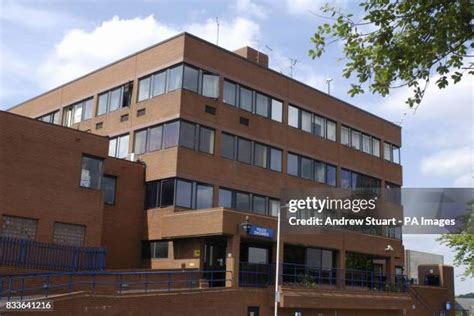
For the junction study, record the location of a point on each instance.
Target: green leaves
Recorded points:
(403, 42)
(463, 242)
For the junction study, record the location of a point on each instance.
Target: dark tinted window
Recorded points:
(190, 80)
(275, 159)
(292, 167)
(206, 140)
(183, 193)
(261, 105)
(187, 135)
(227, 146)
(259, 205)
(229, 93)
(155, 139)
(307, 168)
(319, 172)
(152, 194)
(244, 150)
(246, 99)
(346, 182)
(204, 196)
(171, 134)
(158, 249)
(242, 201)
(108, 187)
(225, 198)
(331, 175)
(260, 155)
(306, 124)
(167, 192)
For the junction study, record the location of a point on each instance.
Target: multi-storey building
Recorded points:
(220, 135)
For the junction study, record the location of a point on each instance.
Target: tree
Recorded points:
(462, 242)
(401, 43)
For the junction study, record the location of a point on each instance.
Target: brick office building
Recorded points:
(220, 134)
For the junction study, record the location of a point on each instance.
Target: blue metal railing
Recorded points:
(299, 275)
(29, 254)
(21, 286)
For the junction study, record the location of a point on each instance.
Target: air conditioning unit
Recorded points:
(132, 157)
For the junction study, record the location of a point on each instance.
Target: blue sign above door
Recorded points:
(260, 231)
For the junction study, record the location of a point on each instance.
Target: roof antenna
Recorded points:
(217, 23)
(328, 81)
(292, 64)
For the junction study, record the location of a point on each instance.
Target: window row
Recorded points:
(77, 112)
(174, 133)
(25, 228)
(250, 152)
(310, 169)
(118, 146)
(355, 180)
(115, 99)
(177, 77)
(311, 123)
(360, 141)
(52, 117)
(155, 249)
(179, 192)
(391, 153)
(248, 202)
(253, 101)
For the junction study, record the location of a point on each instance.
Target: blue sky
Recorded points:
(46, 43)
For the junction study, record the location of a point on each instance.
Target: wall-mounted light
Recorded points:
(246, 226)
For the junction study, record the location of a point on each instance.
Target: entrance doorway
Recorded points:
(256, 268)
(214, 261)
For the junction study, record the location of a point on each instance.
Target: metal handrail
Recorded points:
(300, 275)
(19, 286)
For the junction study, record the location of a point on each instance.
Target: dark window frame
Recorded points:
(299, 161)
(72, 108)
(117, 147)
(84, 155)
(233, 201)
(114, 189)
(126, 90)
(167, 85)
(237, 100)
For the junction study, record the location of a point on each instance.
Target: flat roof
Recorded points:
(217, 47)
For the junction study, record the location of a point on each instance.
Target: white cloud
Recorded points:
(251, 9)
(455, 162)
(233, 34)
(304, 6)
(81, 51)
